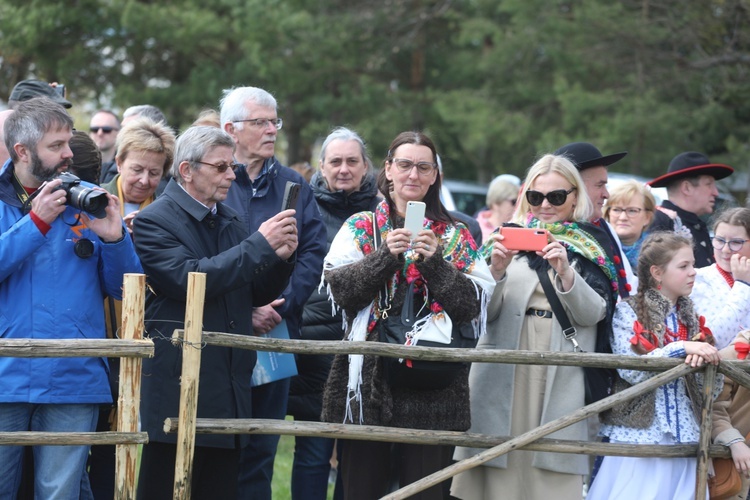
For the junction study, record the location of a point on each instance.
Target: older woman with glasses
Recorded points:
(630, 210)
(722, 290)
(511, 399)
(376, 269)
(501, 200)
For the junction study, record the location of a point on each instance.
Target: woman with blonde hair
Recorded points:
(511, 399)
(630, 210)
(501, 200)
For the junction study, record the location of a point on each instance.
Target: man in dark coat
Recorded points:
(691, 186)
(189, 229)
(249, 115)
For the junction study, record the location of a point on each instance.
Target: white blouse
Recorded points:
(673, 413)
(727, 310)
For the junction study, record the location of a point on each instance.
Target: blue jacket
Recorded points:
(47, 292)
(259, 201)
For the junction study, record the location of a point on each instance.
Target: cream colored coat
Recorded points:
(492, 384)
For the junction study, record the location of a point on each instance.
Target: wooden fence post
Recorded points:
(709, 379)
(128, 402)
(191, 365)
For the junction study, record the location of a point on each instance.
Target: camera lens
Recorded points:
(89, 200)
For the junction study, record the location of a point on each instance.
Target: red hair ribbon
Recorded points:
(705, 332)
(640, 337)
(742, 349)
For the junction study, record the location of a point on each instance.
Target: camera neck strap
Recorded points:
(24, 197)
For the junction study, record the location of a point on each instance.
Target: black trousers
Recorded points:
(371, 468)
(214, 472)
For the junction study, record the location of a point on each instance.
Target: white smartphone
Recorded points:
(414, 221)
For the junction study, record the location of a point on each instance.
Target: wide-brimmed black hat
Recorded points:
(29, 89)
(691, 164)
(585, 155)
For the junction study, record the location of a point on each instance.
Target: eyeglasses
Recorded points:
(221, 167)
(629, 212)
(106, 130)
(734, 245)
(262, 123)
(404, 166)
(555, 198)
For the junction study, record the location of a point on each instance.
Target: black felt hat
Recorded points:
(585, 155)
(29, 89)
(691, 164)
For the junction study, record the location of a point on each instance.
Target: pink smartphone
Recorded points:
(524, 238)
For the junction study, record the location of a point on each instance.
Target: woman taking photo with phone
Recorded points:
(511, 399)
(373, 269)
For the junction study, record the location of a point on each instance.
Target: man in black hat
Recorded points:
(592, 166)
(691, 187)
(29, 89)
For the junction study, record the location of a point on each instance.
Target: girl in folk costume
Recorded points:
(722, 290)
(373, 257)
(659, 321)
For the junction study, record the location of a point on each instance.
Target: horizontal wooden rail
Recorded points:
(71, 438)
(76, 348)
(418, 436)
(440, 354)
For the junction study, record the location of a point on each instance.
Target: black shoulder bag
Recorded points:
(416, 374)
(598, 382)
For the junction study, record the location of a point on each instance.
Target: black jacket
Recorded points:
(174, 236)
(318, 323)
(702, 249)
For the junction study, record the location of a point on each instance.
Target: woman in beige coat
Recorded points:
(511, 399)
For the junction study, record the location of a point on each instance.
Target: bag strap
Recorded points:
(383, 297)
(568, 330)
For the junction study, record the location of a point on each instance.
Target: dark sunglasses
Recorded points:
(106, 130)
(555, 198)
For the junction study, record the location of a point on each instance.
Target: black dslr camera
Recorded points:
(83, 198)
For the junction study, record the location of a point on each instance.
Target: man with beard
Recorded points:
(56, 265)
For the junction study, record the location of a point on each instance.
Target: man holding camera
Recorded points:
(56, 265)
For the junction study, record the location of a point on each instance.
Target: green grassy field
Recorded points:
(282, 471)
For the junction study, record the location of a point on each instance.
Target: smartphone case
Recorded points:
(524, 238)
(414, 221)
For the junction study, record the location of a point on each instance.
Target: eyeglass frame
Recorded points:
(725, 242)
(219, 168)
(255, 122)
(617, 211)
(545, 196)
(395, 161)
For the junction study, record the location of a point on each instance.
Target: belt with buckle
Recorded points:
(539, 313)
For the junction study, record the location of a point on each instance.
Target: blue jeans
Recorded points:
(256, 459)
(57, 469)
(311, 468)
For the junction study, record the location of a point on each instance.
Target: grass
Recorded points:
(282, 470)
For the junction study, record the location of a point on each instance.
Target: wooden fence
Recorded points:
(132, 347)
(187, 425)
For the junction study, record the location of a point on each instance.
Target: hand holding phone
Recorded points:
(524, 238)
(291, 194)
(414, 221)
